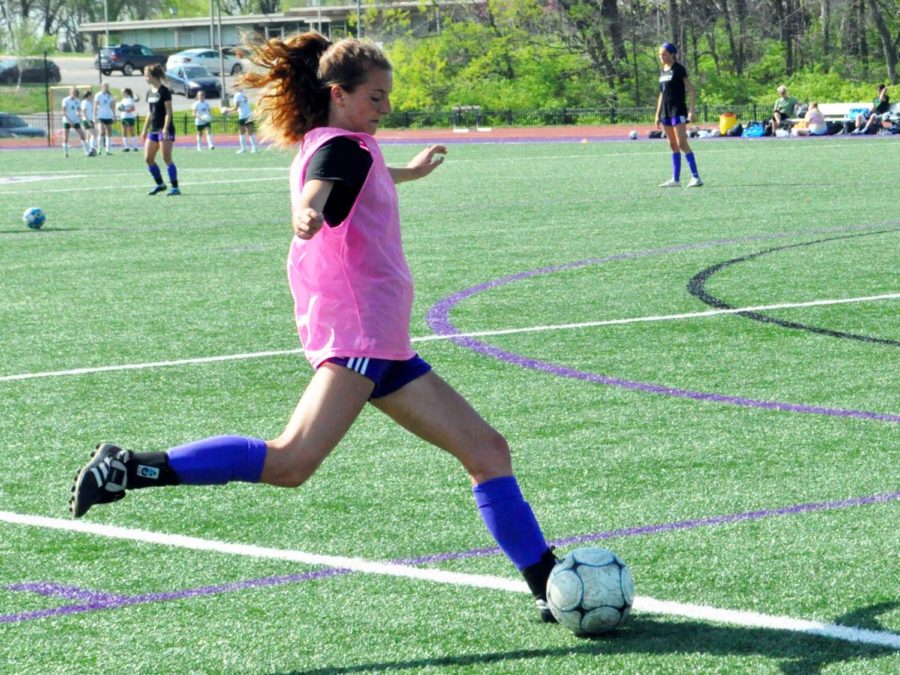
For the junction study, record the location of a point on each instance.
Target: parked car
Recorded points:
(13, 126)
(208, 58)
(30, 70)
(189, 79)
(127, 59)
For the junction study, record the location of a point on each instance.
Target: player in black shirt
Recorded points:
(673, 113)
(159, 130)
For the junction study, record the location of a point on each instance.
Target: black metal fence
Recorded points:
(467, 116)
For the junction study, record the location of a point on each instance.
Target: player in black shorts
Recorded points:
(673, 113)
(159, 130)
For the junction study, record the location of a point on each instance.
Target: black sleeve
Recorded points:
(345, 162)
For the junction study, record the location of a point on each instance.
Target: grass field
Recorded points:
(745, 465)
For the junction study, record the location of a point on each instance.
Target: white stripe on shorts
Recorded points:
(361, 369)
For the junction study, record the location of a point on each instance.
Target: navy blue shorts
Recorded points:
(388, 376)
(674, 121)
(159, 136)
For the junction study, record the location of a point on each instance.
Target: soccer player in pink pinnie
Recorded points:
(353, 297)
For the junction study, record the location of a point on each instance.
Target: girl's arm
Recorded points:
(309, 216)
(420, 166)
(146, 126)
(692, 93)
(168, 120)
(659, 110)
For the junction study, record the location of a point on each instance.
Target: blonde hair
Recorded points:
(299, 74)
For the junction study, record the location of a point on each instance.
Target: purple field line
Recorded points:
(438, 318)
(101, 601)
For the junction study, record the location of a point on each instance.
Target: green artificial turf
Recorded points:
(116, 278)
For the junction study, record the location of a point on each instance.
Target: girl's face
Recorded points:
(666, 58)
(362, 109)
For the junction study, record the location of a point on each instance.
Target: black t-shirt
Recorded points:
(880, 107)
(345, 162)
(157, 100)
(671, 85)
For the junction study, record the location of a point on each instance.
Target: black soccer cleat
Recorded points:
(103, 480)
(536, 577)
(156, 190)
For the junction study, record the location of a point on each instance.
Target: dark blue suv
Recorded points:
(127, 59)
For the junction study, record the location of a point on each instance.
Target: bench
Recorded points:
(842, 112)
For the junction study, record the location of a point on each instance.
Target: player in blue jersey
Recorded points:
(159, 130)
(673, 113)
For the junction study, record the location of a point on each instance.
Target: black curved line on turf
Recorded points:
(697, 288)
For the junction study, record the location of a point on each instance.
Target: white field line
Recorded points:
(641, 604)
(190, 183)
(431, 338)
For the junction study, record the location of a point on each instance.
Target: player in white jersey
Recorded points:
(104, 111)
(87, 121)
(71, 119)
(203, 120)
(128, 114)
(245, 121)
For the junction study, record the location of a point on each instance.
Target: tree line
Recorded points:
(566, 53)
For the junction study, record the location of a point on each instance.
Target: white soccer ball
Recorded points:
(633, 135)
(590, 591)
(34, 217)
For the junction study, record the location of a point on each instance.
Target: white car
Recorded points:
(208, 58)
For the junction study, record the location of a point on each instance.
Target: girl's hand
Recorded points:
(426, 162)
(658, 121)
(307, 222)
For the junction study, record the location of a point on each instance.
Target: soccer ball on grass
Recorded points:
(34, 217)
(590, 591)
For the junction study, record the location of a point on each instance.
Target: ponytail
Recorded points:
(299, 74)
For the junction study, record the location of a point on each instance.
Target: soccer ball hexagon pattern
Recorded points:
(590, 591)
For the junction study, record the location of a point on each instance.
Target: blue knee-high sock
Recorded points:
(173, 174)
(510, 520)
(156, 173)
(218, 460)
(676, 166)
(692, 163)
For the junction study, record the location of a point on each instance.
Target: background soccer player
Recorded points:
(673, 113)
(159, 130)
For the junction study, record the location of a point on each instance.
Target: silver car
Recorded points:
(208, 58)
